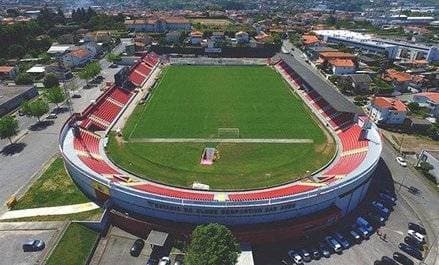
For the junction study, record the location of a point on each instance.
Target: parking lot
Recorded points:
(367, 250)
(13, 235)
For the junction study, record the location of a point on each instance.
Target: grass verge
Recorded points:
(74, 247)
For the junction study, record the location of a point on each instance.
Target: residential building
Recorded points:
(217, 36)
(196, 37)
(399, 80)
(360, 82)
(342, 66)
(8, 72)
(387, 111)
(429, 100)
(77, 57)
(310, 40)
(159, 24)
(242, 37)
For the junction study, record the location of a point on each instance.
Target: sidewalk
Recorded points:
(44, 211)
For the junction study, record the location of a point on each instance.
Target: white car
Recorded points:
(165, 261)
(401, 161)
(295, 257)
(418, 236)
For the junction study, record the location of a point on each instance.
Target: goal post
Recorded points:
(228, 133)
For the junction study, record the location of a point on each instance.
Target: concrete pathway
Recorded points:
(44, 211)
(220, 140)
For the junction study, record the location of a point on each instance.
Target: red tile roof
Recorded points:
(389, 103)
(80, 53)
(432, 96)
(6, 69)
(342, 63)
(336, 55)
(392, 74)
(309, 39)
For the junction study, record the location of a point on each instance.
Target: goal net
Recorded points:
(228, 133)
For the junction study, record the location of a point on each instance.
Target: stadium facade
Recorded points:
(338, 187)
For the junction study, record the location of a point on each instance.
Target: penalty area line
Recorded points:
(221, 140)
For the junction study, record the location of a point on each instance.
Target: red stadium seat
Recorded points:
(182, 194)
(270, 194)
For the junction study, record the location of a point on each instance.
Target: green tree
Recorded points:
(212, 244)
(50, 80)
(112, 57)
(8, 127)
(55, 95)
(38, 108)
(90, 70)
(414, 107)
(16, 51)
(24, 79)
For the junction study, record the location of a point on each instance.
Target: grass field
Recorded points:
(194, 101)
(74, 247)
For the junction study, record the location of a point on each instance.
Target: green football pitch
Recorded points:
(195, 102)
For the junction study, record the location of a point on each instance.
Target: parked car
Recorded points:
(324, 250)
(305, 255)
(380, 207)
(165, 261)
(355, 236)
(333, 244)
(295, 257)
(418, 236)
(362, 231)
(414, 190)
(388, 261)
(412, 242)
(343, 241)
(363, 223)
(418, 228)
(403, 259)
(137, 247)
(401, 161)
(76, 95)
(376, 218)
(388, 198)
(410, 250)
(21, 113)
(52, 116)
(285, 262)
(33, 245)
(315, 253)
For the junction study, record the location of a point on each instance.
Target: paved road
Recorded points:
(22, 160)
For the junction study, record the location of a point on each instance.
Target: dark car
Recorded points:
(137, 247)
(412, 242)
(418, 228)
(324, 249)
(76, 96)
(315, 253)
(376, 218)
(411, 251)
(388, 261)
(403, 259)
(33, 245)
(414, 190)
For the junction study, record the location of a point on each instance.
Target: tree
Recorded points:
(24, 79)
(8, 127)
(37, 108)
(112, 57)
(16, 51)
(212, 244)
(55, 95)
(50, 80)
(90, 70)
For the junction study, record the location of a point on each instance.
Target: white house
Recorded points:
(387, 110)
(429, 100)
(342, 66)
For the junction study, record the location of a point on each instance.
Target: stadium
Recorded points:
(245, 143)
